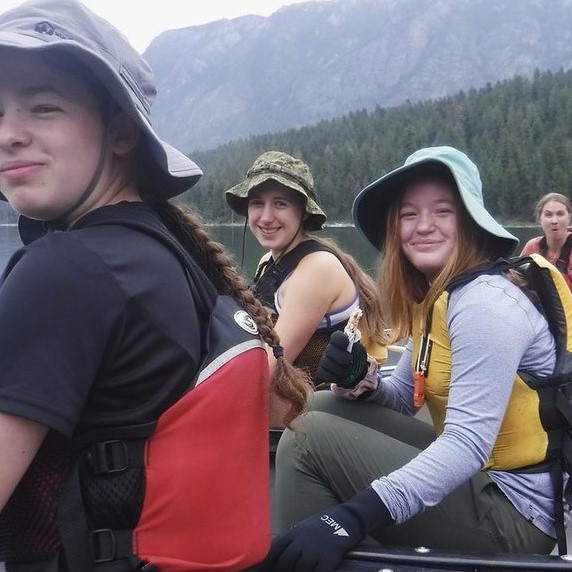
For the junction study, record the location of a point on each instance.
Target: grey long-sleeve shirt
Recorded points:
(494, 330)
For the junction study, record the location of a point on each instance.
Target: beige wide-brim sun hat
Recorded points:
(286, 170)
(371, 206)
(69, 27)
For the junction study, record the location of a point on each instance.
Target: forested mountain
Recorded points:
(518, 131)
(231, 79)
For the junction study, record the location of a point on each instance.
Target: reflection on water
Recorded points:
(247, 251)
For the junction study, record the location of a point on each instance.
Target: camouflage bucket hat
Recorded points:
(68, 27)
(286, 170)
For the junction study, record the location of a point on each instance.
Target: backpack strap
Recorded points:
(555, 405)
(497, 267)
(202, 288)
(563, 260)
(271, 273)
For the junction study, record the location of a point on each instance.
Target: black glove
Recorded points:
(339, 366)
(318, 543)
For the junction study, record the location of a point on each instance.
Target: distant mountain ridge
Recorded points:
(231, 79)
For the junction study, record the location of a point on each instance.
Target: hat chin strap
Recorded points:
(285, 250)
(281, 254)
(105, 144)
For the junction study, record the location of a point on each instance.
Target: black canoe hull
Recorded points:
(388, 559)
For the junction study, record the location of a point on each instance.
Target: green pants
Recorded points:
(342, 446)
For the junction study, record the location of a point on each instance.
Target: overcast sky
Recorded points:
(143, 20)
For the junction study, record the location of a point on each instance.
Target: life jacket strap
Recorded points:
(114, 456)
(109, 545)
(112, 545)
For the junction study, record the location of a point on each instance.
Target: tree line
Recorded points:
(518, 132)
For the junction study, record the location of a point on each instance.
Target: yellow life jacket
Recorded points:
(536, 432)
(374, 350)
(523, 439)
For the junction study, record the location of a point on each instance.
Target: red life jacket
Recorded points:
(207, 470)
(203, 466)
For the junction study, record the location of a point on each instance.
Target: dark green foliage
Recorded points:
(519, 132)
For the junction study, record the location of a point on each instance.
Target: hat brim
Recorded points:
(237, 198)
(174, 172)
(371, 206)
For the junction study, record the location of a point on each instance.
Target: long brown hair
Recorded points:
(291, 384)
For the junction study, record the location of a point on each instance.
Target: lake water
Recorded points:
(233, 237)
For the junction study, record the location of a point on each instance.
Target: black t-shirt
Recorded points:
(98, 326)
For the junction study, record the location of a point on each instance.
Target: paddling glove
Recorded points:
(319, 543)
(340, 366)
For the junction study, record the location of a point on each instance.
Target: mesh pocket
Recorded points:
(309, 358)
(113, 498)
(28, 523)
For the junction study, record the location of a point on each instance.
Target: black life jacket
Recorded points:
(270, 274)
(554, 300)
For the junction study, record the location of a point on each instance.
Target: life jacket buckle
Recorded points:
(103, 545)
(107, 457)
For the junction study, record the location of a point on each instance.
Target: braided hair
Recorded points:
(289, 383)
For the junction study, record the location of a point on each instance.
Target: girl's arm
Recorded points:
(318, 285)
(20, 440)
(491, 326)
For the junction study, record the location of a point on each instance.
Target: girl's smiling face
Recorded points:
(275, 216)
(51, 133)
(428, 222)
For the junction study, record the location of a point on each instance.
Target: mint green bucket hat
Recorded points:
(289, 172)
(371, 205)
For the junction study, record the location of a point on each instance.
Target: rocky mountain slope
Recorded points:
(312, 61)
